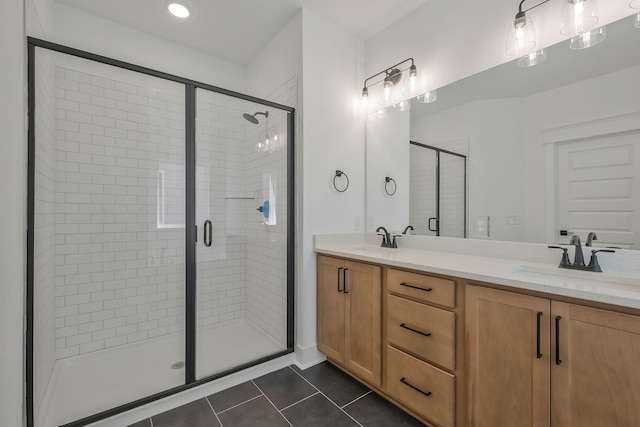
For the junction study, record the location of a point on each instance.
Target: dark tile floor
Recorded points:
(321, 396)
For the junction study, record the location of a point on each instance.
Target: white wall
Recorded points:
(333, 138)
(13, 211)
(388, 156)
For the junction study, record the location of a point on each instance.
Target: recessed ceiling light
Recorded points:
(178, 10)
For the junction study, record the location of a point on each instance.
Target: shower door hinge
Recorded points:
(196, 233)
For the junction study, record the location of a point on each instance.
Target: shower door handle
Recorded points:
(208, 233)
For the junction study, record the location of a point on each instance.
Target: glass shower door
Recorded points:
(109, 258)
(241, 219)
(423, 184)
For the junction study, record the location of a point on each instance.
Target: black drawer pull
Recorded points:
(426, 334)
(405, 284)
(344, 280)
(558, 360)
(339, 271)
(405, 382)
(538, 354)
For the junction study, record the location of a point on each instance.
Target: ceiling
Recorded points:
(236, 30)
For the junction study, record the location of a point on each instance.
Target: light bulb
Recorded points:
(387, 88)
(178, 10)
(638, 20)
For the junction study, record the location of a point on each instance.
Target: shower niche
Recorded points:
(150, 270)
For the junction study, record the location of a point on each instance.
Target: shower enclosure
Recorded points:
(437, 191)
(160, 246)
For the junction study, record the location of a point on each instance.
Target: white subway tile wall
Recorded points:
(44, 321)
(119, 276)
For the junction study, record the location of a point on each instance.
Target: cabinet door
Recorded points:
(363, 292)
(597, 380)
(508, 350)
(331, 307)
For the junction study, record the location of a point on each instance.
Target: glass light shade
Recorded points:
(578, 16)
(410, 84)
(178, 10)
(588, 39)
(638, 20)
(428, 97)
(521, 37)
(534, 58)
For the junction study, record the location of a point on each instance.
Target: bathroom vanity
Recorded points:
(469, 340)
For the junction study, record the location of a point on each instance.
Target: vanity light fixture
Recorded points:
(521, 36)
(390, 93)
(588, 38)
(178, 10)
(578, 16)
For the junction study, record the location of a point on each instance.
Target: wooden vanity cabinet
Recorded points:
(595, 380)
(539, 362)
(508, 371)
(349, 315)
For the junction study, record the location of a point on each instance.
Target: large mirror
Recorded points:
(519, 154)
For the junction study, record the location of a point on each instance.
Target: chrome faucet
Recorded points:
(578, 257)
(386, 238)
(590, 238)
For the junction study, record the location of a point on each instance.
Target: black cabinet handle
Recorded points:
(426, 334)
(558, 361)
(405, 382)
(406, 285)
(339, 271)
(344, 280)
(538, 354)
(208, 236)
(437, 224)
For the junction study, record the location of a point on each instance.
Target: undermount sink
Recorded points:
(572, 276)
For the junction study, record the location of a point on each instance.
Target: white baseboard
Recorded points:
(308, 356)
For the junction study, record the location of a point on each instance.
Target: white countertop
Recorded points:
(617, 288)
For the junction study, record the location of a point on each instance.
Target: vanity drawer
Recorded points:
(421, 387)
(409, 323)
(423, 287)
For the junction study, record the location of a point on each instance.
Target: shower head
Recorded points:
(252, 117)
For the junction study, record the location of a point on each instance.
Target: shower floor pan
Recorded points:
(84, 385)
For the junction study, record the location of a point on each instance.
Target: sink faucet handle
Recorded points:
(394, 244)
(594, 265)
(407, 228)
(565, 255)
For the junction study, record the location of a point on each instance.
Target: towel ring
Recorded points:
(387, 180)
(337, 175)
